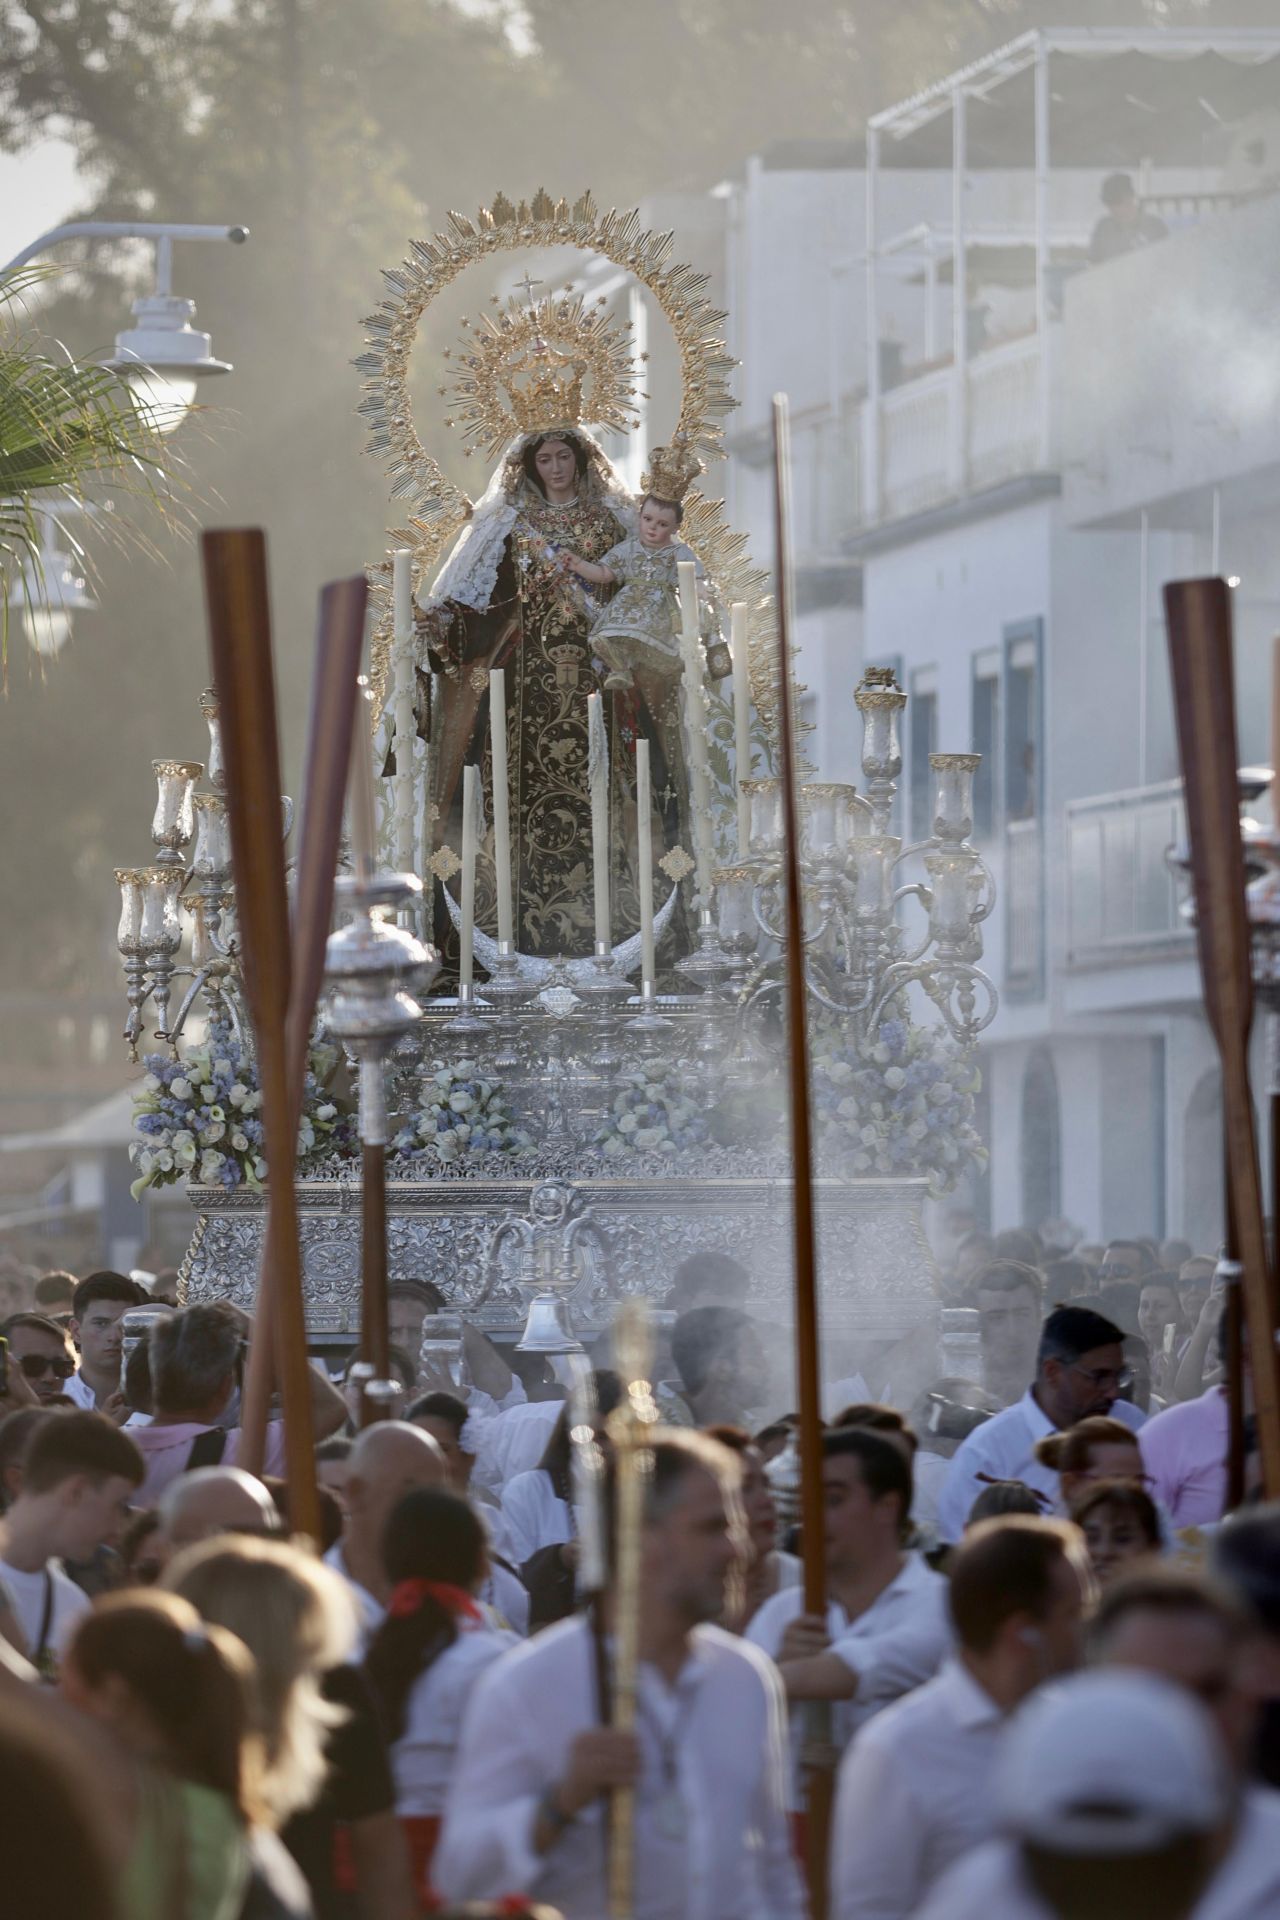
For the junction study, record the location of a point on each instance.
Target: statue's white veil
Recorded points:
(470, 573)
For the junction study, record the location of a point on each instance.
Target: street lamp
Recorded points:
(44, 598)
(163, 357)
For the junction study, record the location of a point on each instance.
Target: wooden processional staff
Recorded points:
(282, 966)
(817, 1757)
(1198, 613)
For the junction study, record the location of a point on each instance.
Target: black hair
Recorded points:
(439, 1406)
(137, 1379)
(431, 1535)
(699, 1337)
(1005, 1276)
(1117, 187)
(528, 455)
(557, 1452)
(106, 1285)
(700, 1273)
(884, 1467)
(1071, 1331)
(659, 500)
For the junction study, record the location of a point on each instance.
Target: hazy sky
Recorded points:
(37, 190)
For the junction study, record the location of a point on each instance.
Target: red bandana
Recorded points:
(408, 1595)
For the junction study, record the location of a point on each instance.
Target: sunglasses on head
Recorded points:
(36, 1365)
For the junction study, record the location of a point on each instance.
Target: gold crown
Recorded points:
(672, 470)
(532, 369)
(544, 387)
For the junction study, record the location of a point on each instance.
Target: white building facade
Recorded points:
(990, 494)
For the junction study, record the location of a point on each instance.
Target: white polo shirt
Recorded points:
(1003, 1448)
(913, 1796)
(990, 1884)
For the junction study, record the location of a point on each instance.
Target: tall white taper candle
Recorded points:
(406, 733)
(644, 861)
(598, 786)
(501, 801)
(360, 812)
(741, 721)
(470, 820)
(695, 722)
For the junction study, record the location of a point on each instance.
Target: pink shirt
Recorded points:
(1184, 1449)
(166, 1451)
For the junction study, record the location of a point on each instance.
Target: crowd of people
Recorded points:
(1048, 1673)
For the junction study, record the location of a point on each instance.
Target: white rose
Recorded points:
(183, 1138)
(152, 1082)
(613, 1146)
(628, 1123)
(180, 1088)
(648, 1136)
(251, 1103)
(868, 1136)
(146, 1161)
(223, 1069)
(208, 1095)
(327, 1112)
(164, 1160)
(210, 1162)
(881, 1055)
(240, 1141)
(847, 1109)
(917, 1130)
(894, 1077)
(210, 1135)
(447, 1147)
(460, 1103)
(238, 1094)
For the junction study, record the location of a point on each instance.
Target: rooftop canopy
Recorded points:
(1117, 97)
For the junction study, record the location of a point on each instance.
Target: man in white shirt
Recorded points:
(389, 1459)
(1080, 1371)
(914, 1792)
(886, 1628)
(98, 1306)
(528, 1807)
(79, 1474)
(1114, 1796)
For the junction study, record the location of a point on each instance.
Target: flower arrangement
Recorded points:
(200, 1118)
(652, 1114)
(899, 1103)
(466, 1114)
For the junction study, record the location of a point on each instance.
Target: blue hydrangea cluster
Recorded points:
(465, 1115)
(899, 1104)
(652, 1113)
(201, 1118)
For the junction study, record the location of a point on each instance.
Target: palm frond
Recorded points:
(68, 430)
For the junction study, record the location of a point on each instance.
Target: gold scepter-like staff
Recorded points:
(630, 1429)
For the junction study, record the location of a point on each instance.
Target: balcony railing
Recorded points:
(1122, 900)
(1024, 908)
(928, 456)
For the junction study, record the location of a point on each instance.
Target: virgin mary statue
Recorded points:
(504, 599)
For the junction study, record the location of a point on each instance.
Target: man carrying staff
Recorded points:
(529, 1802)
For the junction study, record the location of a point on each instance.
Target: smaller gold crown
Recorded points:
(672, 470)
(544, 387)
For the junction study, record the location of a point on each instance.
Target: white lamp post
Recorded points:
(45, 600)
(163, 356)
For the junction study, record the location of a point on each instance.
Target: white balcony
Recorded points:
(954, 431)
(1122, 899)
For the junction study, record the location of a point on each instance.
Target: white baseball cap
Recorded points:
(1111, 1762)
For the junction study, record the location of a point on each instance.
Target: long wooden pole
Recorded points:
(339, 641)
(235, 580)
(816, 1758)
(1198, 613)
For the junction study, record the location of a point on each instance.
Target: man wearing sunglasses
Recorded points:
(1080, 1370)
(38, 1350)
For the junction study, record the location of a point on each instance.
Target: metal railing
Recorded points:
(1122, 900)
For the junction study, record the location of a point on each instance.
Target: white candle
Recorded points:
(406, 732)
(644, 858)
(695, 722)
(470, 815)
(501, 801)
(598, 787)
(360, 793)
(741, 721)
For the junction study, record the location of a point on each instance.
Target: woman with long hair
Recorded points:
(1121, 1524)
(173, 1695)
(427, 1655)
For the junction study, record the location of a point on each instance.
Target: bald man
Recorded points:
(211, 1500)
(389, 1459)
